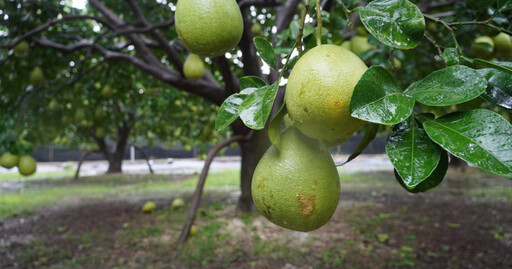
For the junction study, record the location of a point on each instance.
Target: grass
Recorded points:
(15, 176)
(69, 191)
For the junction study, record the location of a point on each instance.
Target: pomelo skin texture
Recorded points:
(27, 165)
(209, 27)
(296, 187)
(319, 90)
(8, 160)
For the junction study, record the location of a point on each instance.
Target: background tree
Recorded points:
(142, 34)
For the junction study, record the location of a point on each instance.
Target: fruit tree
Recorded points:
(421, 68)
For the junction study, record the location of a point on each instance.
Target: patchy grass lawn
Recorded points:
(97, 223)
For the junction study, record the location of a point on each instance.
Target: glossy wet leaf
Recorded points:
(369, 135)
(449, 86)
(274, 129)
(499, 87)
(230, 109)
(251, 82)
(228, 112)
(412, 153)
(480, 137)
(377, 98)
(266, 51)
(502, 66)
(396, 23)
(450, 56)
(255, 109)
(431, 181)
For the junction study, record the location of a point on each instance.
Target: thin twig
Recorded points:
(319, 23)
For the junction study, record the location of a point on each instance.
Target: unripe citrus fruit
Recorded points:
(297, 186)
(177, 203)
(193, 230)
(483, 51)
(193, 68)
(21, 48)
(503, 45)
(346, 45)
(319, 90)
(36, 76)
(209, 27)
(149, 207)
(8, 160)
(359, 44)
(27, 165)
(257, 30)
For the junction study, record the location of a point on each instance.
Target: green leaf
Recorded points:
(255, 109)
(369, 135)
(450, 56)
(274, 129)
(499, 87)
(251, 82)
(266, 51)
(228, 112)
(396, 23)
(504, 5)
(449, 86)
(230, 109)
(502, 66)
(480, 137)
(412, 153)
(432, 181)
(377, 98)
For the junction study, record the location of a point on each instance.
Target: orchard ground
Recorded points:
(53, 221)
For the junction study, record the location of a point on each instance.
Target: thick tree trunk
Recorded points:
(115, 165)
(251, 152)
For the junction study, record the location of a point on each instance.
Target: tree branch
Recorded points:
(202, 179)
(145, 156)
(50, 23)
(82, 159)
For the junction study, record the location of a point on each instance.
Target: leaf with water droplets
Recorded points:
(449, 86)
(255, 109)
(266, 51)
(377, 98)
(230, 109)
(480, 137)
(499, 87)
(396, 23)
(412, 153)
(432, 181)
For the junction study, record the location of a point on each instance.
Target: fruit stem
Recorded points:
(318, 23)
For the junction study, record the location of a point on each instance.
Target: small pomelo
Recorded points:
(149, 207)
(9, 160)
(27, 165)
(209, 27)
(193, 68)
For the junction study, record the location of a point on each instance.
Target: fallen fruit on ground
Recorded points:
(193, 230)
(193, 68)
(297, 186)
(27, 165)
(177, 203)
(149, 207)
(209, 27)
(8, 160)
(319, 90)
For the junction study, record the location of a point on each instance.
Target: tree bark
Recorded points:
(251, 153)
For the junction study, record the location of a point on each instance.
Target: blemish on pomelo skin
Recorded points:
(307, 204)
(261, 184)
